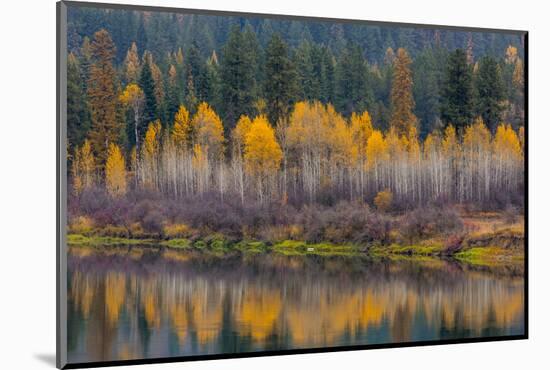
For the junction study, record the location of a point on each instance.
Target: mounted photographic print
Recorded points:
(234, 184)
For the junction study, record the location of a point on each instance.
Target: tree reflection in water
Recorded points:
(128, 304)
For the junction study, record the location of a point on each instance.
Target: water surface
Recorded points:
(137, 303)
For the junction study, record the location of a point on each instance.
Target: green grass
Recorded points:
(98, 241)
(177, 243)
(407, 250)
(298, 248)
(216, 245)
(490, 256)
(251, 247)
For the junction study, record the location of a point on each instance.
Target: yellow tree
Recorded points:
(75, 172)
(150, 155)
(88, 163)
(507, 156)
(361, 130)
(200, 165)
(133, 97)
(377, 153)
(477, 156)
(115, 172)
(413, 168)
(238, 139)
(451, 153)
(83, 168)
(434, 163)
(342, 153)
(506, 142)
(402, 101)
(239, 133)
(307, 138)
(262, 153)
(209, 131)
(182, 132)
(511, 54)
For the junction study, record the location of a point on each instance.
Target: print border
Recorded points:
(61, 190)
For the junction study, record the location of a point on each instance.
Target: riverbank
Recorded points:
(510, 252)
(483, 238)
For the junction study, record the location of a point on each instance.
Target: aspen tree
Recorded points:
(115, 172)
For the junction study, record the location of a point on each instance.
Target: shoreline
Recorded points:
(470, 252)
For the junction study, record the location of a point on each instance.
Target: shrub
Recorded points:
(81, 225)
(114, 231)
(383, 200)
(429, 221)
(136, 231)
(177, 231)
(152, 222)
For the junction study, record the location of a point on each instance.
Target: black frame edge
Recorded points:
(61, 185)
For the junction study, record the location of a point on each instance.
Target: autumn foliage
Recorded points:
(115, 172)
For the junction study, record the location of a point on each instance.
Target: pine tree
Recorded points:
(141, 34)
(147, 85)
(428, 73)
(353, 93)
(158, 86)
(280, 80)
(457, 106)
(102, 95)
(238, 77)
(195, 69)
(77, 124)
(213, 78)
(308, 88)
(402, 101)
(489, 92)
(173, 93)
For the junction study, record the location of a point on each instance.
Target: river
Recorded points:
(147, 303)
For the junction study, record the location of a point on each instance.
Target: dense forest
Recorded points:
(264, 111)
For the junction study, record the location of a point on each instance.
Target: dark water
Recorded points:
(131, 304)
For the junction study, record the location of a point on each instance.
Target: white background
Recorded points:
(27, 183)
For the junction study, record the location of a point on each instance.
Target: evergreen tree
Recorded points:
(252, 52)
(238, 78)
(173, 93)
(102, 95)
(147, 85)
(353, 94)
(457, 105)
(402, 101)
(428, 72)
(213, 81)
(141, 37)
(280, 80)
(77, 123)
(195, 69)
(489, 92)
(307, 82)
(323, 61)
